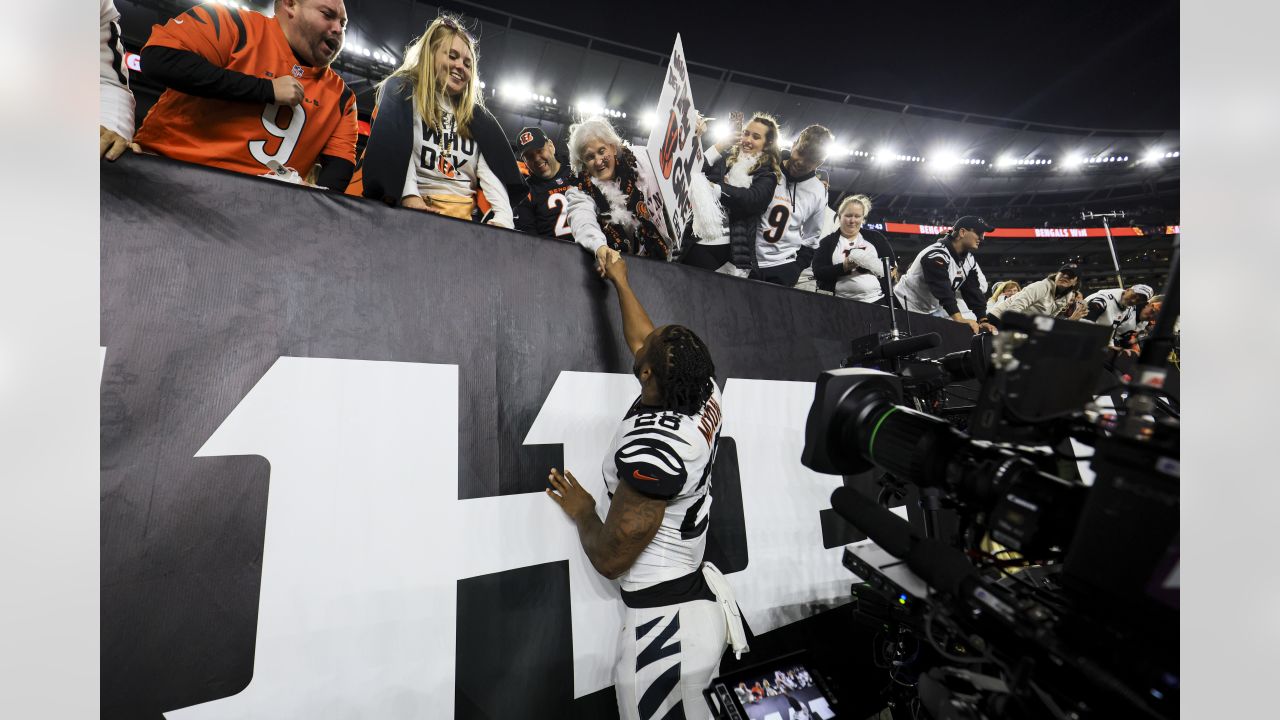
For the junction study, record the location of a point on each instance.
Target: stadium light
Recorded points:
(945, 161)
(721, 131)
(1153, 155)
(1005, 161)
(516, 91)
(589, 107)
(885, 156)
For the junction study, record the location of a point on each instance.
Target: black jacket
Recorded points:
(826, 273)
(744, 206)
(387, 156)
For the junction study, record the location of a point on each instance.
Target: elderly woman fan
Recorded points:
(607, 209)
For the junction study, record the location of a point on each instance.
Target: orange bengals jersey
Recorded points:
(242, 136)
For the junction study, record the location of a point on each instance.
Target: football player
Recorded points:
(679, 610)
(253, 94)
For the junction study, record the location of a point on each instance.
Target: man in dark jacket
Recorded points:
(542, 211)
(945, 268)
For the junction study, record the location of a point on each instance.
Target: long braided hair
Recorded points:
(682, 365)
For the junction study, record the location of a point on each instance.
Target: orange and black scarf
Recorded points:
(647, 241)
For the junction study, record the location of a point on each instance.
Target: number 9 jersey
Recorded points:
(668, 455)
(242, 136)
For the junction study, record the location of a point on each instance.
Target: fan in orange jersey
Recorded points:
(253, 94)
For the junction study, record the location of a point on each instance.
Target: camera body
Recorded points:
(1087, 620)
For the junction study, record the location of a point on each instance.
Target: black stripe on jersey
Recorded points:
(217, 22)
(642, 630)
(239, 21)
(658, 647)
(688, 529)
(658, 692)
(192, 12)
(347, 94)
(117, 60)
(658, 431)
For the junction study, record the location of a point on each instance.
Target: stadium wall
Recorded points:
(326, 426)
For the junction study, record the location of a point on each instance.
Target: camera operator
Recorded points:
(944, 268)
(1049, 296)
(1118, 308)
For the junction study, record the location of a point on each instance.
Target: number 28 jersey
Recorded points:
(668, 455)
(243, 136)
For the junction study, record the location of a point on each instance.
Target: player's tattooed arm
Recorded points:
(612, 546)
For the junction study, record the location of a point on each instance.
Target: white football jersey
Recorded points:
(666, 454)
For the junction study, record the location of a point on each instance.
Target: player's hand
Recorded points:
(605, 254)
(110, 145)
(288, 90)
(413, 202)
(615, 269)
(988, 327)
(569, 495)
(973, 324)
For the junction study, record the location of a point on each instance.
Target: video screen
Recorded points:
(787, 693)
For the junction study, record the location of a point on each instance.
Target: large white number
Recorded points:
(558, 200)
(288, 135)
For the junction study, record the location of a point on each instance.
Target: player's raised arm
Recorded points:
(636, 324)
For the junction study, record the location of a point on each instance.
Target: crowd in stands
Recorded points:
(256, 94)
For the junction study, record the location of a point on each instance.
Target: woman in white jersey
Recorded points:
(432, 145)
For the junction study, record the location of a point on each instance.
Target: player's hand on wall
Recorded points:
(288, 91)
(569, 495)
(110, 145)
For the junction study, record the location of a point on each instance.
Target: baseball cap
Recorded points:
(530, 138)
(1069, 270)
(1144, 290)
(972, 222)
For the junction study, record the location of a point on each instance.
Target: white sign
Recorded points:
(674, 152)
(357, 613)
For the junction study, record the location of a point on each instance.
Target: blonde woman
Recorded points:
(433, 145)
(847, 261)
(1001, 292)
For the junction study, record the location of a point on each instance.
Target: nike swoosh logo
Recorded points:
(639, 476)
(179, 22)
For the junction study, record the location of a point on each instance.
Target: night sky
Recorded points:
(1089, 64)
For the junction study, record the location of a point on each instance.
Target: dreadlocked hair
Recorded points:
(686, 375)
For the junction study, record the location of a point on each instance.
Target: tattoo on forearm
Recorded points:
(612, 546)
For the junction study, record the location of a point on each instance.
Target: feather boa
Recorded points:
(709, 216)
(618, 212)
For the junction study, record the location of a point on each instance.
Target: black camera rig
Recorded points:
(1057, 598)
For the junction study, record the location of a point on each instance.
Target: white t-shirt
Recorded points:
(668, 454)
(445, 163)
(864, 287)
